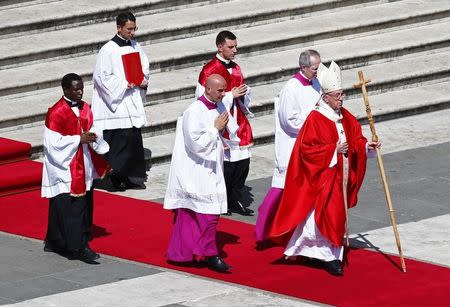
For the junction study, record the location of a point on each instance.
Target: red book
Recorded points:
(133, 68)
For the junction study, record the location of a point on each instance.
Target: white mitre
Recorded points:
(330, 79)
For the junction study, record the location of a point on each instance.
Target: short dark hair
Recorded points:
(224, 35)
(67, 80)
(123, 17)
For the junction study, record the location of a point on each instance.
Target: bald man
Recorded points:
(196, 189)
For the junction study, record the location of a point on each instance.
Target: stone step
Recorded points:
(49, 15)
(385, 106)
(179, 24)
(277, 67)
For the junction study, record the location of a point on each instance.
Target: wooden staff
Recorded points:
(362, 84)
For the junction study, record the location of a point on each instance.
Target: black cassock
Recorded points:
(70, 221)
(126, 153)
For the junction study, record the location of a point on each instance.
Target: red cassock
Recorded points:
(215, 66)
(60, 118)
(312, 184)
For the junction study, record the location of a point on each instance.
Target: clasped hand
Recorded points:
(221, 121)
(88, 137)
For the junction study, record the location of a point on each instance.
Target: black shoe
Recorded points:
(51, 248)
(86, 255)
(135, 186)
(334, 267)
(217, 264)
(240, 209)
(118, 183)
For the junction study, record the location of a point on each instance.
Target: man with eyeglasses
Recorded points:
(292, 105)
(325, 173)
(118, 103)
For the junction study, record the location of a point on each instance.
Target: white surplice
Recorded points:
(196, 179)
(292, 106)
(114, 106)
(233, 152)
(59, 151)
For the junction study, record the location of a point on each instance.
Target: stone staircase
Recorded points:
(403, 46)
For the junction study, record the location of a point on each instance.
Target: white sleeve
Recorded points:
(291, 114)
(198, 139)
(144, 62)
(60, 149)
(100, 146)
(110, 86)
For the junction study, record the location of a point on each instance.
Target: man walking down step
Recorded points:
(325, 173)
(292, 106)
(196, 187)
(118, 103)
(71, 161)
(236, 100)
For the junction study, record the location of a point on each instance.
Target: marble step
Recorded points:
(385, 106)
(403, 45)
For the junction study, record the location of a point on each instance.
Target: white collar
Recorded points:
(300, 72)
(328, 112)
(222, 59)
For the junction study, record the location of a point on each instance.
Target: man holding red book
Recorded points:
(120, 84)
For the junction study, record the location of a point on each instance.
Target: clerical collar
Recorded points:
(328, 112)
(121, 41)
(208, 103)
(72, 103)
(303, 80)
(226, 63)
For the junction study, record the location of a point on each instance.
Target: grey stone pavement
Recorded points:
(417, 160)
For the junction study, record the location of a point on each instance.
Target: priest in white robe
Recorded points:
(72, 159)
(292, 106)
(118, 105)
(196, 186)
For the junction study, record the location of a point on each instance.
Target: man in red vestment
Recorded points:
(324, 175)
(239, 131)
(71, 161)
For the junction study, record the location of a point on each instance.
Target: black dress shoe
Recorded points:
(217, 264)
(240, 209)
(334, 267)
(135, 186)
(118, 183)
(51, 248)
(86, 255)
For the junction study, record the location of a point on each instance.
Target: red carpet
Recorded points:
(11, 150)
(17, 173)
(139, 230)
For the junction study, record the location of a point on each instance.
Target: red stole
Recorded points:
(215, 66)
(312, 184)
(60, 118)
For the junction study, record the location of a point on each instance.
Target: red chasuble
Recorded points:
(312, 184)
(60, 118)
(215, 66)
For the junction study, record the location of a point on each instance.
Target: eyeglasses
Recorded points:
(337, 95)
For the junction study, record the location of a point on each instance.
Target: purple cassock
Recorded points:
(266, 213)
(194, 235)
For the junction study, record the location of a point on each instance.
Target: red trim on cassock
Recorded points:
(312, 184)
(60, 118)
(234, 79)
